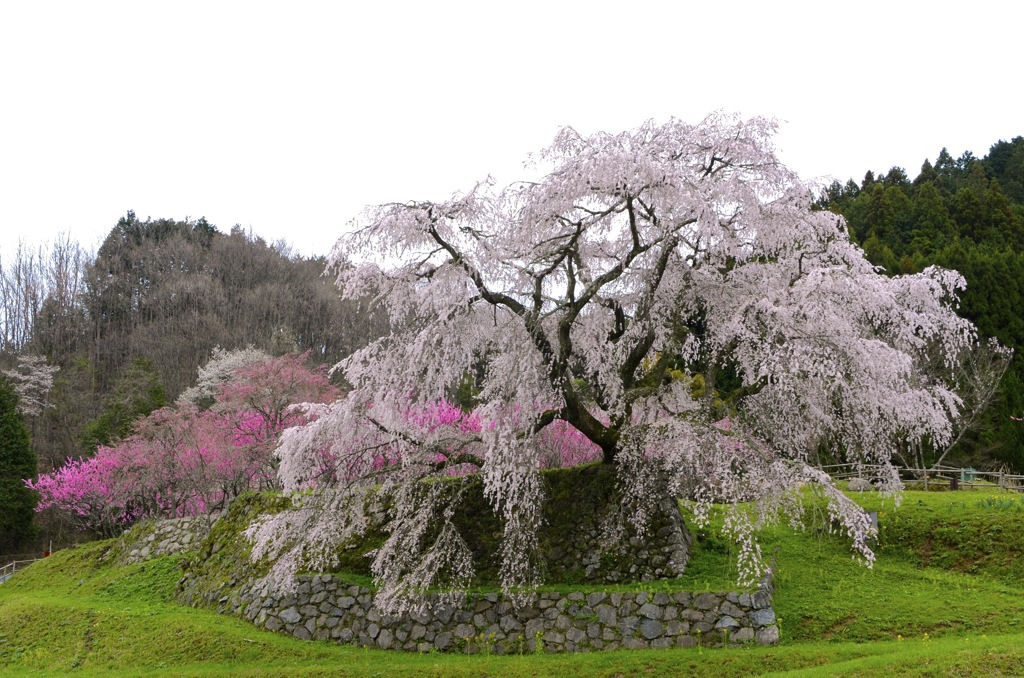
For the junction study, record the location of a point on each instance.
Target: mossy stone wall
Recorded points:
(327, 608)
(222, 576)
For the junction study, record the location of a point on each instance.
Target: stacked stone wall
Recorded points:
(663, 553)
(326, 608)
(164, 538)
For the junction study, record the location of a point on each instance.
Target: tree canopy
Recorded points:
(670, 293)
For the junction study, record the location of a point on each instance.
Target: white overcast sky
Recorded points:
(289, 118)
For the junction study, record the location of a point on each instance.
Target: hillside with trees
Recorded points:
(122, 332)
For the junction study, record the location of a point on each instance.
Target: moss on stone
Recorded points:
(224, 559)
(577, 502)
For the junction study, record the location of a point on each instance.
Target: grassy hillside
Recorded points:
(78, 613)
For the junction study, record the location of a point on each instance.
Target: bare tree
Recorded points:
(976, 376)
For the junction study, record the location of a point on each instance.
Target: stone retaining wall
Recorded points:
(157, 538)
(326, 608)
(661, 554)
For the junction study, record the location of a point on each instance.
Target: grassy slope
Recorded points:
(73, 613)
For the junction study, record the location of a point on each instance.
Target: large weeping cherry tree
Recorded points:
(671, 294)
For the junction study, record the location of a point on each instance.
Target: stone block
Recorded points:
(651, 629)
(760, 600)
(769, 635)
(553, 637)
(575, 635)
(651, 611)
(691, 615)
(743, 635)
(731, 609)
(727, 623)
(686, 641)
(674, 627)
(707, 601)
(607, 615)
(509, 624)
(443, 641)
(290, 616)
(627, 625)
(762, 617)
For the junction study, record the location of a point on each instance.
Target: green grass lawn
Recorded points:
(944, 598)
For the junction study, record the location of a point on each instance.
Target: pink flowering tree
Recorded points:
(669, 295)
(184, 461)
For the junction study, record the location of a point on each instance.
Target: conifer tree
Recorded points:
(17, 464)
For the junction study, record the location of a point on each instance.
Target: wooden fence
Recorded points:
(948, 476)
(8, 570)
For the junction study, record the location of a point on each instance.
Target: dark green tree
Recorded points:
(950, 173)
(17, 464)
(965, 214)
(137, 393)
(879, 254)
(927, 173)
(1005, 163)
(935, 229)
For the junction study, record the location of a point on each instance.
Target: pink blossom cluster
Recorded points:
(183, 461)
(439, 434)
(559, 443)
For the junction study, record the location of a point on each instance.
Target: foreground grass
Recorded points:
(74, 614)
